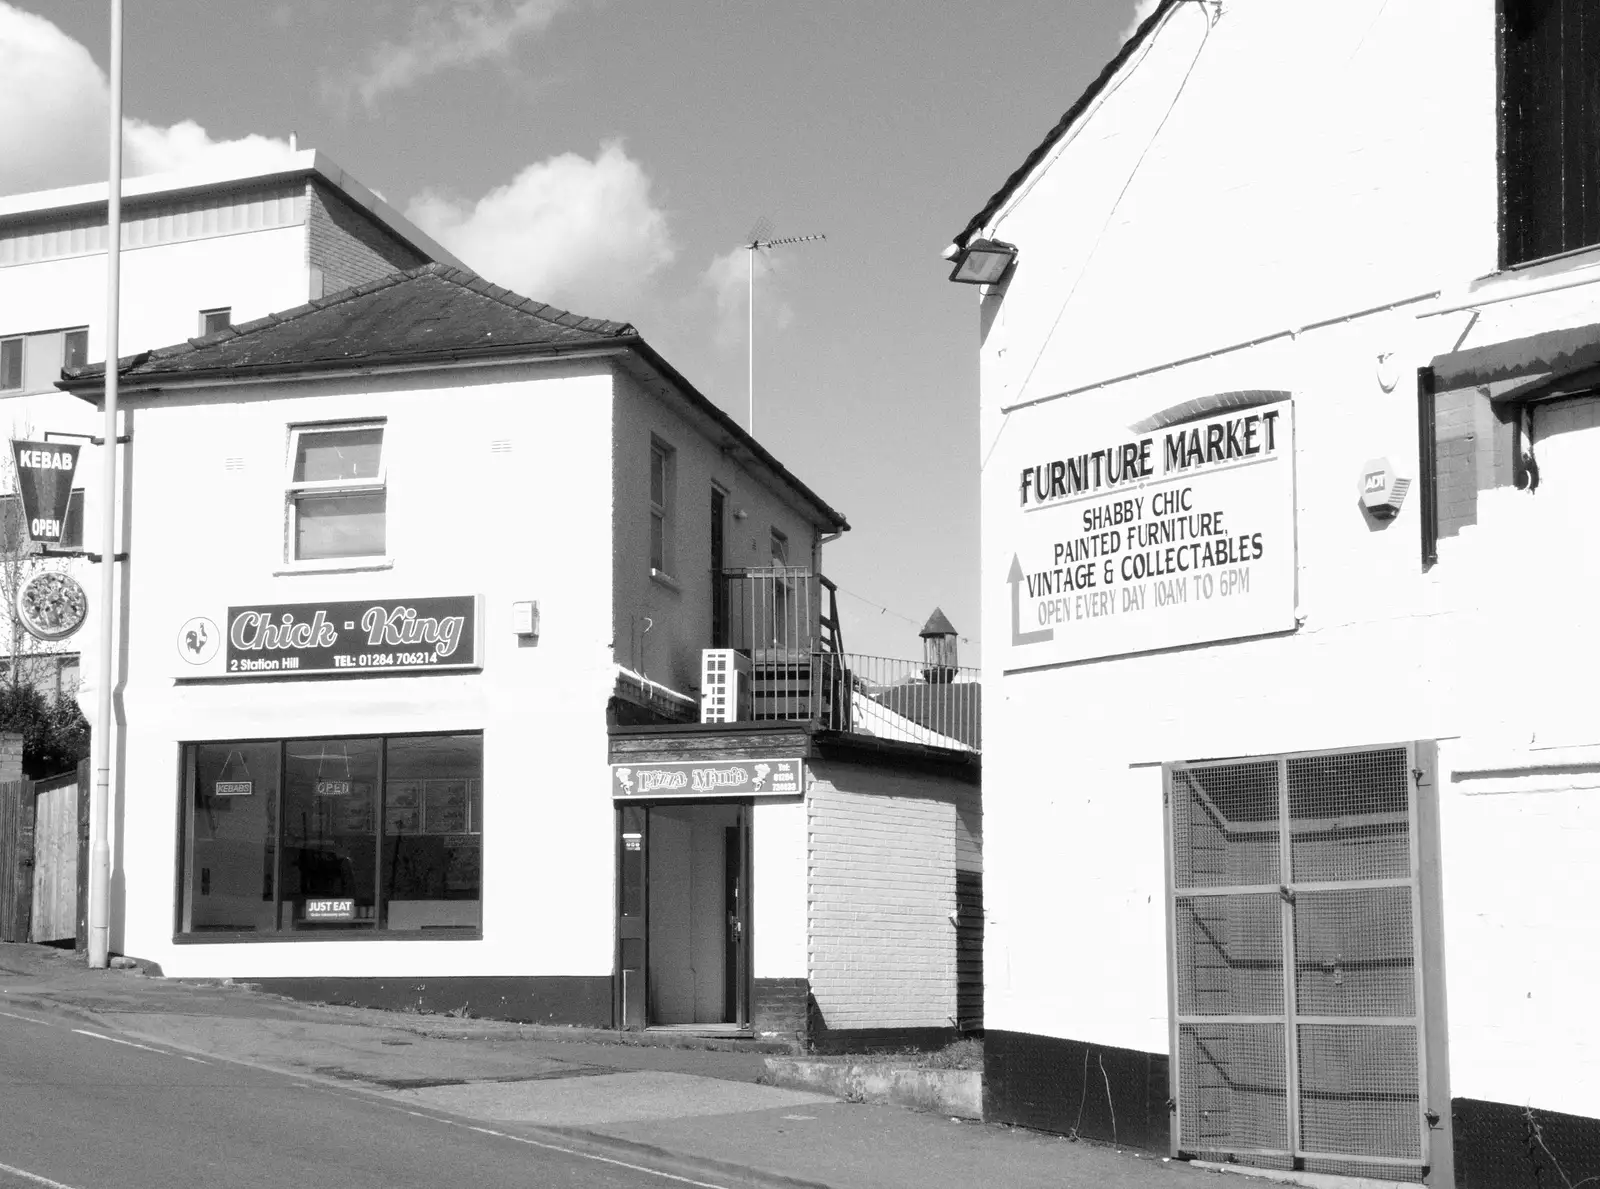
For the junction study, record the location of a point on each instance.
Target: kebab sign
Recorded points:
(1183, 536)
(44, 480)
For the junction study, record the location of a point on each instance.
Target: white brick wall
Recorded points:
(881, 888)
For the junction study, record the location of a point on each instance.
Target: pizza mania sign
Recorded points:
(1184, 536)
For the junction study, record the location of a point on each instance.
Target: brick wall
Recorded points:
(881, 892)
(345, 247)
(1477, 445)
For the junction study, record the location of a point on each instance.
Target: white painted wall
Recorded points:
(1308, 170)
(461, 520)
(778, 932)
(164, 287)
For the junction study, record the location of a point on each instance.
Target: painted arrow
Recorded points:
(1018, 636)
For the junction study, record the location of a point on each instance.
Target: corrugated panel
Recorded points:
(146, 225)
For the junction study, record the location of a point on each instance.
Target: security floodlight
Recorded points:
(983, 262)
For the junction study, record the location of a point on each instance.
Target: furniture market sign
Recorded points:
(1184, 536)
(708, 778)
(365, 636)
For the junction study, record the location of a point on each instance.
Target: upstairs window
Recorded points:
(1549, 128)
(75, 348)
(11, 365)
(212, 321)
(337, 496)
(663, 467)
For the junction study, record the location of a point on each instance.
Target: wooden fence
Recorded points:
(44, 858)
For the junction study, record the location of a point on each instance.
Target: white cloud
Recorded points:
(728, 279)
(1141, 13)
(445, 35)
(54, 102)
(577, 233)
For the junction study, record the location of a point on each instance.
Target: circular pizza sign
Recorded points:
(52, 605)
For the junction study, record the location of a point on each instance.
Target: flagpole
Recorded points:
(100, 737)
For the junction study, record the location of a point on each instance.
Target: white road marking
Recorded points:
(13, 1016)
(34, 1177)
(117, 1040)
(533, 1143)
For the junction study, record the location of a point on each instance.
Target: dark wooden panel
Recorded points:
(969, 950)
(16, 859)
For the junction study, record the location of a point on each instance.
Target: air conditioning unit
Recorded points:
(724, 685)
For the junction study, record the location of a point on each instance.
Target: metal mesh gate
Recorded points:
(1297, 1002)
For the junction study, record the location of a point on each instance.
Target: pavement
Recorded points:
(701, 1114)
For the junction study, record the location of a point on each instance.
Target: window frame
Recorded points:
(278, 935)
(66, 335)
(664, 512)
(19, 343)
(294, 491)
(207, 315)
(1522, 220)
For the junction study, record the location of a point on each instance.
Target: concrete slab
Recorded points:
(589, 1102)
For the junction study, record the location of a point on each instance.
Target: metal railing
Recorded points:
(799, 671)
(870, 695)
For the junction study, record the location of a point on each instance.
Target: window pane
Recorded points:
(658, 542)
(340, 525)
(330, 841)
(327, 454)
(433, 832)
(232, 806)
(75, 348)
(212, 321)
(11, 363)
(658, 478)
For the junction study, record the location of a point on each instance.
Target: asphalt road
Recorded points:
(82, 1109)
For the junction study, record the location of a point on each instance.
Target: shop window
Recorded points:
(349, 836)
(1550, 123)
(337, 492)
(663, 477)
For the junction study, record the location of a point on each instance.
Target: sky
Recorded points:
(610, 156)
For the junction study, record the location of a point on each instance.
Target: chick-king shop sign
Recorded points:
(44, 480)
(370, 636)
(1184, 536)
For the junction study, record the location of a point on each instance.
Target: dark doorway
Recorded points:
(683, 925)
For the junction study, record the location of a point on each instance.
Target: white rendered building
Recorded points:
(1290, 336)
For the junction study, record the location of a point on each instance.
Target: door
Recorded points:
(683, 914)
(736, 907)
(1297, 988)
(633, 898)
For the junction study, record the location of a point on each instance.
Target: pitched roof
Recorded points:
(938, 624)
(435, 312)
(1064, 124)
(432, 314)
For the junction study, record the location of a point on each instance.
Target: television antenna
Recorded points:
(760, 240)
